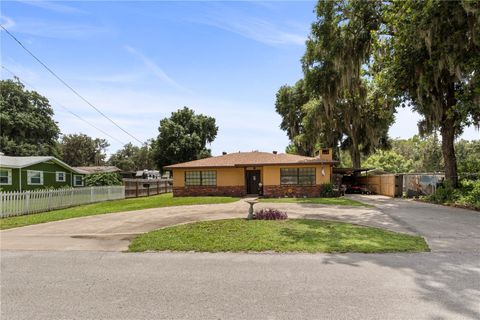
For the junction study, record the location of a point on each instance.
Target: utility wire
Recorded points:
(65, 108)
(67, 85)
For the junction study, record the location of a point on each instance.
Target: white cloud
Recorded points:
(52, 29)
(52, 6)
(128, 77)
(154, 68)
(258, 30)
(255, 28)
(7, 22)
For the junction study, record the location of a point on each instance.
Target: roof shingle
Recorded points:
(255, 158)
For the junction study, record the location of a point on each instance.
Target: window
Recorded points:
(77, 181)
(288, 176)
(60, 176)
(193, 178)
(201, 178)
(209, 178)
(34, 178)
(306, 176)
(297, 176)
(5, 176)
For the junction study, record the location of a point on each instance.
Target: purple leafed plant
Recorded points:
(270, 214)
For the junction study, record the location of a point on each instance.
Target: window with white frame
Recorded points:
(5, 176)
(78, 181)
(60, 176)
(34, 178)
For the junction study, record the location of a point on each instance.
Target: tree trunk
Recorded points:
(352, 133)
(447, 131)
(448, 151)
(355, 155)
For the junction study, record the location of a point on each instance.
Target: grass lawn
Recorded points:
(163, 200)
(293, 235)
(330, 201)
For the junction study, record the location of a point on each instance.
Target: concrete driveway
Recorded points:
(113, 232)
(445, 228)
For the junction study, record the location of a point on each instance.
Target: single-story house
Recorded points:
(244, 173)
(99, 169)
(29, 173)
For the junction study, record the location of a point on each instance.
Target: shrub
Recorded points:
(103, 179)
(468, 194)
(443, 194)
(270, 214)
(326, 191)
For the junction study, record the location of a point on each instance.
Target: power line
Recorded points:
(67, 85)
(71, 112)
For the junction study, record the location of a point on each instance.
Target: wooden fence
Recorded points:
(27, 202)
(384, 184)
(135, 188)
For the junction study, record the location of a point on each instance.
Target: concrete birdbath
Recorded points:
(251, 202)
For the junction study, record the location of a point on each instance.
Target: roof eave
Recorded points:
(178, 166)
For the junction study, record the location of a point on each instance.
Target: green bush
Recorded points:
(444, 194)
(468, 194)
(103, 179)
(327, 191)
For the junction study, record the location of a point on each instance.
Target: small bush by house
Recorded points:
(270, 214)
(328, 191)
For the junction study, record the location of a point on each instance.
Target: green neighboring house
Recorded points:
(30, 173)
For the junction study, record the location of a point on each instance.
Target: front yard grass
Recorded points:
(163, 200)
(329, 201)
(294, 235)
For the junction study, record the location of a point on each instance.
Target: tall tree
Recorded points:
(468, 156)
(433, 63)
(26, 122)
(336, 66)
(183, 137)
(289, 104)
(424, 151)
(82, 150)
(133, 158)
(389, 161)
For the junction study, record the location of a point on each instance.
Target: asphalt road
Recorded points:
(111, 285)
(442, 284)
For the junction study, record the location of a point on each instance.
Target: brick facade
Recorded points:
(291, 191)
(193, 191)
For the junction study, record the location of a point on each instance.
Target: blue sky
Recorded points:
(139, 61)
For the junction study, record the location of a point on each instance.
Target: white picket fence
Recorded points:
(27, 202)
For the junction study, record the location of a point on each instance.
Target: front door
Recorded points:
(253, 179)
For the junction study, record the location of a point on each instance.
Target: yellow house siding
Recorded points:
(271, 174)
(225, 176)
(178, 177)
(230, 177)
